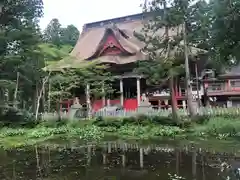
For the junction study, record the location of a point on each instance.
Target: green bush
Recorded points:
(14, 117)
(53, 123)
(145, 132)
(163, 120)
(108, 122)
(201, 119)
(141, 119)
(220, 127)
(138, 120)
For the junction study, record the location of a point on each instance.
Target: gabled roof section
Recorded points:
(122, 28)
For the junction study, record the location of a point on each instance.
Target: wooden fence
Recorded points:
(211, 111)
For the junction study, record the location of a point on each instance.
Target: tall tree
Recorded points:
(225, 28)
(52, 34)
(57, 35)
(170, 49)
(69, 35)
(19, 52)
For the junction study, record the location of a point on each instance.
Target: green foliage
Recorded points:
(57, 35)
(225, 28)
(52, 34)
(219, 127)
(13, 117)
(108, 122)
(148, 132)
(19, 51)
(70, 35)
(142, 120)
(201, 119)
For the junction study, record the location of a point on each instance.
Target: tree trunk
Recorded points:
(191, 109)
(88, 100)
(16, 91)
(40, 96)
(171, 80)
(173, 99)
(49, 96)
(34, 101)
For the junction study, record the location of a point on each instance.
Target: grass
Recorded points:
(130, 129)
(218, 127)
(84, 130)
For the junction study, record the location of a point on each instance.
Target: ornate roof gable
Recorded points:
(110, 45)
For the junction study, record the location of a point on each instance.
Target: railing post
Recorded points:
(121, 92)
(138, 92)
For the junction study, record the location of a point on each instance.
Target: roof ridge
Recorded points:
(117, 20)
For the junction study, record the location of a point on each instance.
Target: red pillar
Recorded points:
(68, 105)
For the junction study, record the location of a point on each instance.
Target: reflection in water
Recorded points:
(115, 161)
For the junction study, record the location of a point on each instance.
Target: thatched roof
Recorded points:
(123, 29)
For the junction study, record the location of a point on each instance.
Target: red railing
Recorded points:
(230, 86)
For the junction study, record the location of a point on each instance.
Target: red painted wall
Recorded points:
(128, 104)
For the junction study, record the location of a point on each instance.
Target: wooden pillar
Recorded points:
(138, 92)
(184, 104)
(108, 102)
(228, 85)
(159, 104)
(179, 90)
(121, 92)
(68, 105)
(89, 108)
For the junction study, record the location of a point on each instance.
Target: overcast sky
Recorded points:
(79, 12)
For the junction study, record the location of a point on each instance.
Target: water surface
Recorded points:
(115, 161)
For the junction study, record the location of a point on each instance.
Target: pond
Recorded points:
(117, 161)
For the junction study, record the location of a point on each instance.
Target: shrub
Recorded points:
(164, 120)
(201, 119)
(53, 123)
(219, 126)
(138, 120)
(13, 117)
(108, 122)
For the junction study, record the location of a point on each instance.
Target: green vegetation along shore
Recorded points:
(132, 128)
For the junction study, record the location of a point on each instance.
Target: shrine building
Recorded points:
(114, 42)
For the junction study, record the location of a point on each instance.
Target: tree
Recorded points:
(52, 34)
(69, 35)
(57, 35)
(225, 27)
(20, 58)
(168, 50)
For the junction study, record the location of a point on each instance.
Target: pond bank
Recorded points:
(88, 131)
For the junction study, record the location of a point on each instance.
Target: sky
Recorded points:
(80, 12)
